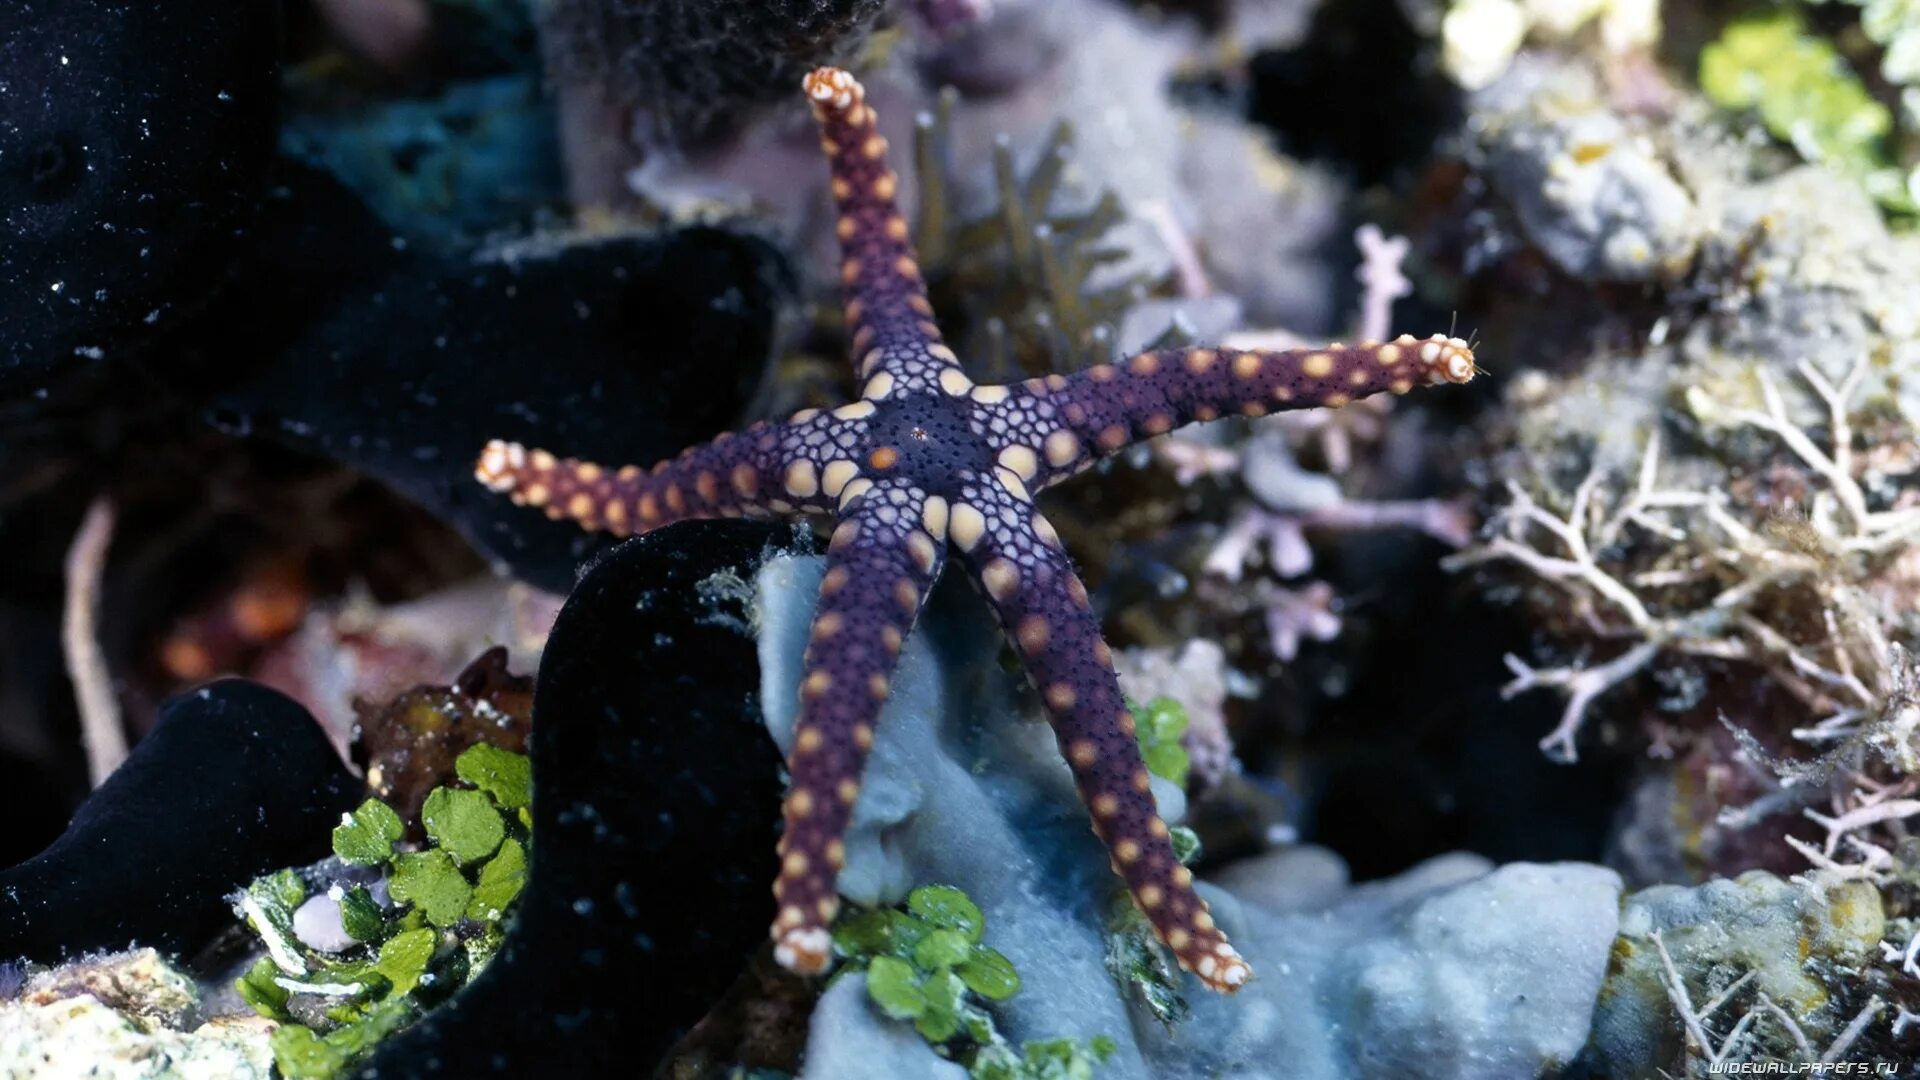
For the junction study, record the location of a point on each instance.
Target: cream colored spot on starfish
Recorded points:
(906, 267)
(955, 382)
(614, 513)
(1254, 408)
(1203, 919)
(877, 686)
(896, 228)
(828, 625)
(1358, 378)
(791, 915)
(1144, 364)
(849, 271)
(844, 534)
(587, 472)
(840, 188)
(854, 490)
(1011, 482)
(794, 865)
(965, 526)
(1021, 460)
(542, 461)
(837, 475)
(1157, 827)
(907, 595)
(1127, 851)
(848, 790)
(921, 547)
(884, 186)
(800, 802)
(1061, 697)
(1182, 876)
(863, 736)
(802, 480)
(1387, 355)
(649, 508)
(933, 515)
(808, 740)
(1045, 531)
(1317, 365)
(1204, 413)
(1430, 351)
(858, 410)
(1141, 781)
(891, 638)
(1113, 437)
(536, 494)
(1200, 361)
(1150, 897)
(835, 580)
(837, 854)
(817, 683)
(1106, 804)
(846, 226)
(1098, 373)
(1400, 386)
(1336, 401)
(1246, 365)
(1001, 578)
(878, 387)
(1062, 446)
(1077, 592)
(580, 506)
(1157, 424)
(990, 395)
(1178, 939)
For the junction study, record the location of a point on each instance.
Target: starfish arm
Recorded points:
(1051, 428)
(882, 560)
(1015, 558)
(895, 340)
(800, 465)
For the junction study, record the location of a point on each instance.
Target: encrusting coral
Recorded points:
(926, 457)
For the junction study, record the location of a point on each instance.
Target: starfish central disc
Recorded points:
(925, 439)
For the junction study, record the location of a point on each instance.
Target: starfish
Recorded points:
(925, 463)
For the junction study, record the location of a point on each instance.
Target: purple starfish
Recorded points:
(925, 460)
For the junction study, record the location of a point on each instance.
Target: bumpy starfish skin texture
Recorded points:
(925, 462)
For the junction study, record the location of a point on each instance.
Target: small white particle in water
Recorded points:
(59, 285)
(224, 96)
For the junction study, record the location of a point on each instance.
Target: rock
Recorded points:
(1590, 191)
(234, 781)
(848, 1040)
(409, 744)
(1799, 941)
(126, 1015)
(1452, 970)
(134, 142)
(624, 349)
(692, 67)
(656, 805)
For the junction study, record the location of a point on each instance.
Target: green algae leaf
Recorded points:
(257, 989)
(365, 837)
(989, 974)
(503, 774)
(1169, 761)
(360, 917)
(301, 1054)
(1186, 843)
(866, 934)
(1806, 95)
(894, 985)
(945, 995)
(431, 882)
(404, 958)
(948, 908)
(500, 881)
(463, 824)
(1159, 726)
(943, 948)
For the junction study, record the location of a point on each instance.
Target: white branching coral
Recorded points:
(1717, 584)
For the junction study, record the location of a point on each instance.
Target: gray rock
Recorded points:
(1590, 192)
(1451, 970)
(847, 1039)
